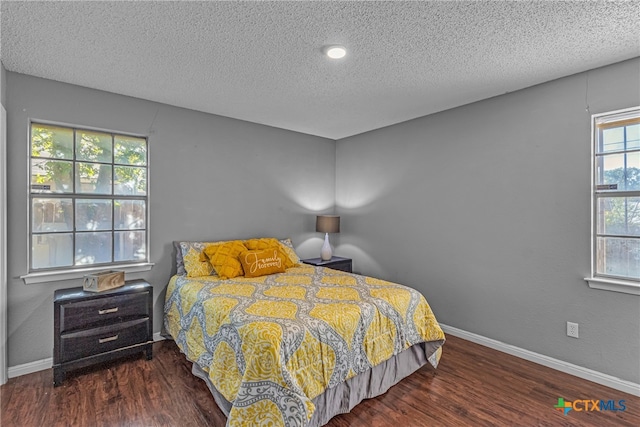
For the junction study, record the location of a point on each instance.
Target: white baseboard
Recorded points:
(41, 365)
(550, 362)
(29, 368)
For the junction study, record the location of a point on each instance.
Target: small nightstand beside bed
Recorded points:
(297, 346)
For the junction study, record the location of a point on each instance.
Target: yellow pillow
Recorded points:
(224, 258)
(262, 262)
(264, 243)
(209, 251)
(269, 242)
(196, 267)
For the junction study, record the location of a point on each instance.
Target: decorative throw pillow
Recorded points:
(263, 261)
(188, 259)
(224, 258)
(269, 242)
(194, 267)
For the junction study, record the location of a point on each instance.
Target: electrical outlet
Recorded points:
(572, 329)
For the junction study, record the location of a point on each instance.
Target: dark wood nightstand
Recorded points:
(336, 262)
(95, 327)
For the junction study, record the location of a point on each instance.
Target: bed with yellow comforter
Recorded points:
(272, 345)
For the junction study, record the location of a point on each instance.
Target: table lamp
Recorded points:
(327, 224)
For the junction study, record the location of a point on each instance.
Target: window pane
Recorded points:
(611, 170)
(613, 139)
(51, 250)
(633, 171)
(130, 246)
(51, 215)
(129, 214)
(93, 178)
(620, 169)
(93, 214)
(93, 248)
(51, 176)
(130, 180)
(51, 141)
(633, 137)
(130, 151)
(93, 146)
(618, 257)
(619, 215)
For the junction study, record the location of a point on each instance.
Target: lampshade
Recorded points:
(328, 223)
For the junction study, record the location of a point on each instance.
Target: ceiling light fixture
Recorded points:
(335, 52)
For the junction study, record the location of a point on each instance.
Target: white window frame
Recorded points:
(597, 280)
(74, 272)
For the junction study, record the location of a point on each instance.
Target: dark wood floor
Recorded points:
(473, 385)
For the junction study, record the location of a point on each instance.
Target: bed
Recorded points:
(297, 346)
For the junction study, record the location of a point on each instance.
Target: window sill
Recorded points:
(626, 287)
(56, 276)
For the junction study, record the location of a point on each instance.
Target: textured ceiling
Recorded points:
(262, 61)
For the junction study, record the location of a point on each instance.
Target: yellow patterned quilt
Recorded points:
(271, 344)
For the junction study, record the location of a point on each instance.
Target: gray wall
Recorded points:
(486, 210)
(210, 178)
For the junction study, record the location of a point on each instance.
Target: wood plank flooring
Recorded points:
(473, 386)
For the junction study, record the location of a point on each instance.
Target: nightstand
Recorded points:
(336, 262)
(95, 327)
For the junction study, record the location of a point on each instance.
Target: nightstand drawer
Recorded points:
(88, 342)
(101, 311)
(341, 265)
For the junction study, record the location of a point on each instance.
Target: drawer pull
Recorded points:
(108, 310)
(104, 340)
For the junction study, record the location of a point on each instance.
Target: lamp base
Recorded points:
(325, 252)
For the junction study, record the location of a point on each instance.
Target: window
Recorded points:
(87, 198)
(616, 195)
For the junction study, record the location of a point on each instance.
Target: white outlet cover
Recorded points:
(572, 330)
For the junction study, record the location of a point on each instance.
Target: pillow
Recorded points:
(188, 260)
(224, 258)
(269, 242)
(179, 259)
(263, 243)
(195, 267)
(287, 245)
(263, 261)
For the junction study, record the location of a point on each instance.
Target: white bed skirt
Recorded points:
(345, 396)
